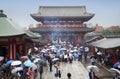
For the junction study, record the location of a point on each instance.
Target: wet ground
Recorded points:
(78, 71)
(76, 68)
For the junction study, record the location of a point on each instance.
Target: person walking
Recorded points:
(70, 57)
(117, 76)
(86, 51)
(40, 70)
(92, 74)
(69, 75)
(92, 60)
(80, 56)
(30, 73)
(50, 64)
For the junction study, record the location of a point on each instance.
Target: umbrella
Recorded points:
(1, 58)
(113, 70)
(36, 60)
(117, 65)
(3, 67)
(24, 58)
(75, 50)
(55, 59)
(75, 55)
(42, 62)
(36, 49)
(99, 53)
(16, 70)
(31, 65)
(92, 56)
(9, 62)
(71, 51)
(93, 67)
(27, 61)
(63, 49)
(17, 62)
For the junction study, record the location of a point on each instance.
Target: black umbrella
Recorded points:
(42, 62)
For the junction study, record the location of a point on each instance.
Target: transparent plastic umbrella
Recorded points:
(16, 69)
(30, 64)
(36, 60)
(113, 70)
(93, 67)
(55, 59)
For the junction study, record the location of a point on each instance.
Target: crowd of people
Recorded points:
(50, 56)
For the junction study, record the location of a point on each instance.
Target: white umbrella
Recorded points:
(63, 49)
(36, 49)
(71, 51)
(43, 51)
(99, 53)
(1, 58)
(16, 70)
(113, 70)
(17, 62)
(93, 67)
(75, 50)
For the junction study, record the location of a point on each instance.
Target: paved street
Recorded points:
(77, 70)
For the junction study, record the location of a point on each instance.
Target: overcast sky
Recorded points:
(107, 12)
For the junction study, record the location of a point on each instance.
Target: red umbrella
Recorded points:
(23, 58)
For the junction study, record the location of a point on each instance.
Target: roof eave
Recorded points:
(39, 18)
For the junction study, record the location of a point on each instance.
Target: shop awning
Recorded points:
(107, 43)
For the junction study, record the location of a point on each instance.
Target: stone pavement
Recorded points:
(77, 70)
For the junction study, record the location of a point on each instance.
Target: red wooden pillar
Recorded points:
(67, 39)
(14, 51)
(8, 52)
(75, 40)
(58, 39)
(48, 38)
(24, 49)
(81, 39)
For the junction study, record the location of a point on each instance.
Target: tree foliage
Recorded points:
(111, 32)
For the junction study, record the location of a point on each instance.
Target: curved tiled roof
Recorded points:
(52, 12)
(8, 28)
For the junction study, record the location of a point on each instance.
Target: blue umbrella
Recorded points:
(30, 64)
(9, 62)
(75, 55)
(117, 65)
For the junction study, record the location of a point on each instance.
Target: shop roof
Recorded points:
(107, 43)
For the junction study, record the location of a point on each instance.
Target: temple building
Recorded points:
(62, 24)
(13, 39)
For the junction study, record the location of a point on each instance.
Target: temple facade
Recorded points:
(62, 24)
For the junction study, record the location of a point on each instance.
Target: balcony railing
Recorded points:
(66, 25)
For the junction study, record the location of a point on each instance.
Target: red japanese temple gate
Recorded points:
(62, 23)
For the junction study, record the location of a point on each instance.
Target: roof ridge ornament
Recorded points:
(2, 14)
(1, 11)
